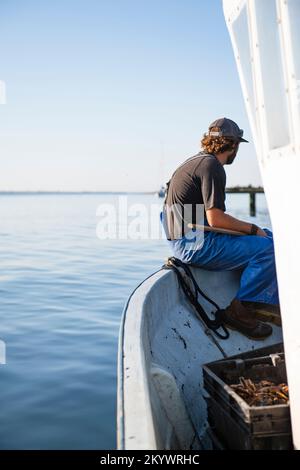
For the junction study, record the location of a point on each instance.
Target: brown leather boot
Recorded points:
(265, 312)
(237, 317)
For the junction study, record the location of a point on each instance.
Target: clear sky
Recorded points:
(112, 94)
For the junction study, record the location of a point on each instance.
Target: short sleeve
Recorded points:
(213, 181)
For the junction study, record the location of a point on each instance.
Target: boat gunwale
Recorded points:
(120, 378)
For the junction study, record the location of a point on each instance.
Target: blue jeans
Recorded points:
(253, 255)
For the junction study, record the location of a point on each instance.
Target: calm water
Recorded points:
(61, 300)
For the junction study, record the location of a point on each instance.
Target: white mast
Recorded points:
(265, 35)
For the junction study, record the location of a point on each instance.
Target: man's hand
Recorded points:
(261, 233)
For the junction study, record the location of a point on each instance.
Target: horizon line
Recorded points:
(8, 191)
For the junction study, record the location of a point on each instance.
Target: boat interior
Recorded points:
(163, 346)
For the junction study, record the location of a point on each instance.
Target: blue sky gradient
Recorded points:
(112, 95)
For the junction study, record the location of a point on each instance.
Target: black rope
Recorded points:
(215, 324)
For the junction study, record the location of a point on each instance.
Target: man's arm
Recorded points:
(218, 219)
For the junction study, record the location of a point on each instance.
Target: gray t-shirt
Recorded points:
(199, 180)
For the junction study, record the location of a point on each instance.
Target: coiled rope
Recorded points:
(186, 280)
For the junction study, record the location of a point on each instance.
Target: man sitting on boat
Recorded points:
(200, 183)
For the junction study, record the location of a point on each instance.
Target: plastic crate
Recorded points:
(235, 423)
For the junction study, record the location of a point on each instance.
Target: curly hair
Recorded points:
(211, 144)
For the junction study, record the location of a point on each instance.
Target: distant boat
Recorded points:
(162, 192)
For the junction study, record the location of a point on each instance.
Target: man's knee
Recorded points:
(266, 241)
(267, 259)
(268, 232)
(265, 247)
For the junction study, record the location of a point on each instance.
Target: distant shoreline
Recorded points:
(232, 189)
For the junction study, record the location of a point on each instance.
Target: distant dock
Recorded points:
(252, 191)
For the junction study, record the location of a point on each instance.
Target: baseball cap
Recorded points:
(225, 127)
